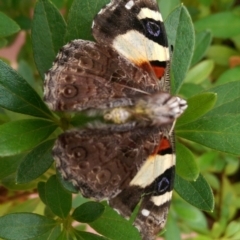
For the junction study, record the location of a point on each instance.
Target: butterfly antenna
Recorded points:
(172, 128)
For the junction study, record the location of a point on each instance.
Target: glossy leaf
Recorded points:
(88, 212)
(221, 133)
(67, 185)
(219, 21)
(185, 165)
(17, 226)
(80, 19)
(200, 72)
(20, 136)
(166, 7)
(228, 101)
(42, 191)
(220, 128)
(9, 165)
(198, 193)
(7, 26)
(18, 96)
(53, 234)
(113, 226)
(48, 29)
(57, 198)
(25, 70)
(203, 40)
(189, 89)
(181, 36)
(198, 105)
(37, 162)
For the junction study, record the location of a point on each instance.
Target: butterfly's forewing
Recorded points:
(135, 29)
(87, 75)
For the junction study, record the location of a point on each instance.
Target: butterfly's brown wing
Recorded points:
(87, 75)
(124, 165)
(136, 30)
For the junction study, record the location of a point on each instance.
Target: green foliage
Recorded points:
(28, 128)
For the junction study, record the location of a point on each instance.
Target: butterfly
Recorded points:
(125, 76)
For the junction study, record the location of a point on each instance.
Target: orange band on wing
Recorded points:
(159, 71)
(164, 147)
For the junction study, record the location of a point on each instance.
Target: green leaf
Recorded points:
(3, 42)
(37, 162)
(198, 105)
(25, 70)
(209, 162)
(53, 234)
(57, 198)
(220, 54)
(219, 129)
(197, 193)
(228, 101)
(88, 236)
(20, 226)
(219, 21)
(189, 89)
(67, 185)
(42, 191)
(80, 18)
(185, 164)
(232, 228)
(18, 96)
(58, 3)
(173, 231)
(48, 29)
(7, 26)
(191, 216)
(20, 136)
(229, 75)
(180, 35)
(88, 212)
(203, 40)
(166, 7)
(200, 72)
(221, 133)
(232, 165)
(9, 165)
(113, 226)
(213, 181)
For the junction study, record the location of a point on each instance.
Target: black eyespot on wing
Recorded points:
(153, 28)
(163, 185)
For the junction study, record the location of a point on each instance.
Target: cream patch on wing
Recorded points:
(129, 5)
(153, 167)
(148, 13)
(137, 48)
(161, 199)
